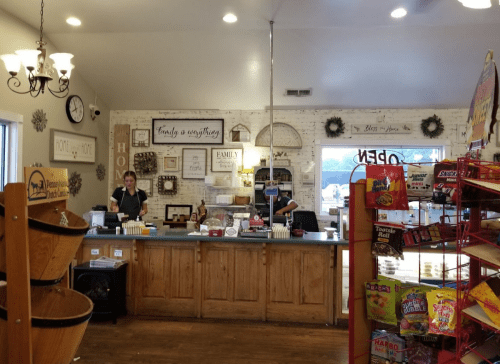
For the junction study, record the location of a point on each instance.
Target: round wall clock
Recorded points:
(74, 109)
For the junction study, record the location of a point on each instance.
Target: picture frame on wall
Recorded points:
(71, 147)
(170, 164)
(171, 210)
(224, 158)
(188, 131)
(140, 137)
(194, 163)
(145, 184)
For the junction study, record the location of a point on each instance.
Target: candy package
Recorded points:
(420, 180)
(414, 308)
(445, 182)
(387, 348)
(383, 300)
(386, 187)
(442, 311)
(387, 240)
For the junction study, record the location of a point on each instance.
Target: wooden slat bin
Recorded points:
(52, 246)
(59, 320)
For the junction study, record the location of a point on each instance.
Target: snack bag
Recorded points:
(445, 182)
(383, 300)
(386, 187)
(420, 180)
(415, 319)
(387, 348)
(387, 240)
(442, 311)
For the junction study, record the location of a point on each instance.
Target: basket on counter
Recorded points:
(241, 200)
(52, 246)
(59, 319)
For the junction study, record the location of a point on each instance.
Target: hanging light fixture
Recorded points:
(38, 70)
(476, 4)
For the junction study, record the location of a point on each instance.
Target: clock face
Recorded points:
(74, 109)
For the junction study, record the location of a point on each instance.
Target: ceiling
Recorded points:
(179, 54)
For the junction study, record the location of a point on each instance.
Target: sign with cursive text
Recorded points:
(188, 131)
(223, 159)
(67, 146)
(381, 128)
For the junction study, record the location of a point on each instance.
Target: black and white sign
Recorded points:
(223, 159)
(381, 129)
(71, 147)
(194, 163)
(188, 131)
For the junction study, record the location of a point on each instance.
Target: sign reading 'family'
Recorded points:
(188, 131)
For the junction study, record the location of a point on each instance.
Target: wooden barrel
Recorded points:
(59, 319)
(52, 246)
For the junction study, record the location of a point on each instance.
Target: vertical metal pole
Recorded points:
(271, 173)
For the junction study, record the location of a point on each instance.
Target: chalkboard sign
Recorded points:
(194, 163)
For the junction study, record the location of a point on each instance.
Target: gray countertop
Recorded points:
(182, 235)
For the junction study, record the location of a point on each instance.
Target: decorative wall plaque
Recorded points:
(284, 135)
(167, 185)
(194, 163)
(121, 153)
(188, 131)
(224, 158)
(145, 163)
(140, 137)
(385, 128)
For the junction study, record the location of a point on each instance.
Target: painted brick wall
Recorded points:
(309, 123)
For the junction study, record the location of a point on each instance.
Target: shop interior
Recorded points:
(375, 122)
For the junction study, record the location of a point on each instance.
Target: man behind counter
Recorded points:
(281, 204)
(129, 200)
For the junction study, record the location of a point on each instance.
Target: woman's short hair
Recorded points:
(130, 174)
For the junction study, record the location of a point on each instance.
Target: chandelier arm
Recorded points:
(63, 90)
(16, 83)
(35, 92)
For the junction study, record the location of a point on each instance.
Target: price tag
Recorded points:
(118, 253)
(94, 252)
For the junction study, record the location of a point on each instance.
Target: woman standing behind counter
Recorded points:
(129, 200)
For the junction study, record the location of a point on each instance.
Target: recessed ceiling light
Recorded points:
(229, 18)
(74, 21)
(476, 4)
(399, 13)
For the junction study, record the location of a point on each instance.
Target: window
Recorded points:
(11, 146)
(4, 142)
(338, 162)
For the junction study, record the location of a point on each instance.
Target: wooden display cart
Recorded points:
(19, 331)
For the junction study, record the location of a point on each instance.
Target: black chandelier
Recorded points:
(38, 71)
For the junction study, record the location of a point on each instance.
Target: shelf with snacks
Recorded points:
(478, 239)
(404, 275)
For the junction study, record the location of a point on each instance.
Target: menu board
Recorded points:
(483, 108)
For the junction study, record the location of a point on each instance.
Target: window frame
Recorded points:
(14, 147)
(445, 146)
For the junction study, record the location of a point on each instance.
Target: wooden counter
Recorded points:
(193, 276)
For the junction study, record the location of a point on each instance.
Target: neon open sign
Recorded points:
(379, 157)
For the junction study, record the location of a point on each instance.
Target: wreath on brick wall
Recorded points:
(334, 127)
(438, 127)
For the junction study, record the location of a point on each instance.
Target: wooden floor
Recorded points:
(141, 340)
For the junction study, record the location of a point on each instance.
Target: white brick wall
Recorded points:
(309, 123)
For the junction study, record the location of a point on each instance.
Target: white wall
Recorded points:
(16, 35)
(309, 123)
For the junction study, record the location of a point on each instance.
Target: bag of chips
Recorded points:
(414, 308)
(442, 311)
(383, 300)
(420, 180)
(386, 187)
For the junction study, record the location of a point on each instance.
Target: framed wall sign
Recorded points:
(188, 131)
(140, 137)
(170, 164)
(224, 158)
(194, 163)
(71, 147)
(171, 210)
(145, 184)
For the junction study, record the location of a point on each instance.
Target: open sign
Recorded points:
(380, 157)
